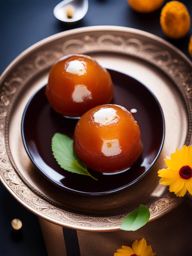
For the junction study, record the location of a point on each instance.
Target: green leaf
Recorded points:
(136, 219)
(62, 148)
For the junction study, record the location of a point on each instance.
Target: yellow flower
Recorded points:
(145, 6)
(178, 174)
(139, 248)
(175, 19)
(190, 45)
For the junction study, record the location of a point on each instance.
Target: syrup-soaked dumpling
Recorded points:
(76, 84)
(108, 139)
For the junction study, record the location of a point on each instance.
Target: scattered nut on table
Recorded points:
(70, 11)
(16, 224)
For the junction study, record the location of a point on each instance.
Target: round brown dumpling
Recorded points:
(76, 84)
(108, 139)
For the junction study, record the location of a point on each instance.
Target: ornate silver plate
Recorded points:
(160, 66)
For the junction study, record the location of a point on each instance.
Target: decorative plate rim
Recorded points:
(40, 206)
(87, 29)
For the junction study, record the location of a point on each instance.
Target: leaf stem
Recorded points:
(85, 168)
(91, 176)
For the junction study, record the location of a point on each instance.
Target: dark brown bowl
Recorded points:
(40, 122)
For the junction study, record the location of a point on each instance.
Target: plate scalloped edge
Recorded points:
(177, 67)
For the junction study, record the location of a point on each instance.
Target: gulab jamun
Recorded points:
(76, 84)
(107, 138)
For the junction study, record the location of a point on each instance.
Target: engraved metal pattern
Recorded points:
(45, 53)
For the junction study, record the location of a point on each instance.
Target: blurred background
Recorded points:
(23, 23)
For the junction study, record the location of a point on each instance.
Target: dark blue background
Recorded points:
(29, 241)
(23, 23)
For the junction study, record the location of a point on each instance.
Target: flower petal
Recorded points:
(177, 186)
(148, 251)
(124, 251)
(168, 173)
(139, 246)
(182, 192)
(167, 176)
(175, 160)
(189, 186)
(171, 164)
(187, 155)
(180, 158)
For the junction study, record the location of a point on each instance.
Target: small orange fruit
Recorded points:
(175, 20)
(145, 6)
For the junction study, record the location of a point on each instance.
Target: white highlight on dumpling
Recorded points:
(111, 147)
(81, 93)
(106, 116)
(76, 67)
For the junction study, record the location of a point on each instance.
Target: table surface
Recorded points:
(23, 23)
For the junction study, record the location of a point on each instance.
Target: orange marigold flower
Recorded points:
(139, 248)
(178, 174)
